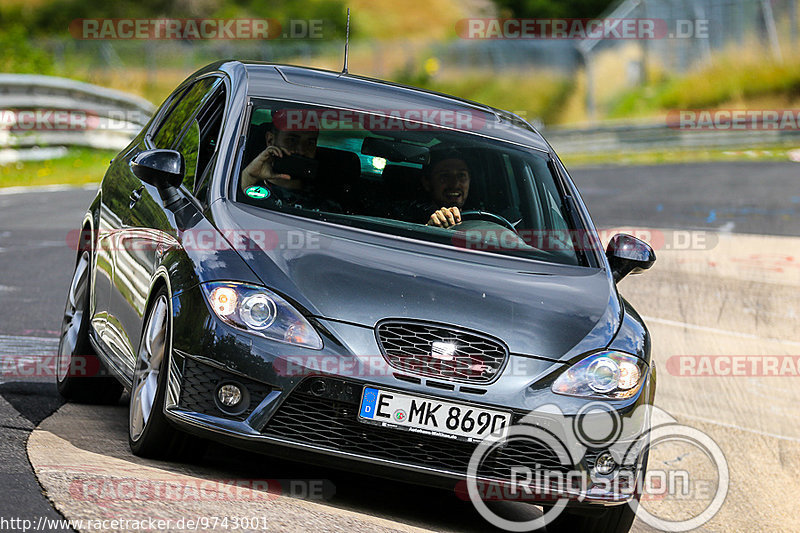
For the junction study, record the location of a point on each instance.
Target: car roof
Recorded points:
(347, 91)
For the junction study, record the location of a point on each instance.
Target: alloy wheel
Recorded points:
(73, 317)
(148, 368)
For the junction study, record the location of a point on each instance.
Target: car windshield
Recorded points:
(394, 175)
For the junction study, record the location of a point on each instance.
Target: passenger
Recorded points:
(285, 190)
(280, 143)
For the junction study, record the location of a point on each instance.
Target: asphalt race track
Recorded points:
(727, 283)
(740, 197)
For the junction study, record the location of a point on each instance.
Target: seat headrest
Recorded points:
(401, 182)
(339, 171)
(344, 164)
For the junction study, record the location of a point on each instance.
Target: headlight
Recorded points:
(606, 375)
(260, 311)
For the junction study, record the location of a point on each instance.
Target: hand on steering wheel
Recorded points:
(489, 217)
(445, 217)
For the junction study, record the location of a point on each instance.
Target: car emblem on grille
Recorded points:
(443, 350)
(483, 368)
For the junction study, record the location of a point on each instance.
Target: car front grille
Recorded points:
(441, 351)
(331, 423)
(199, 387)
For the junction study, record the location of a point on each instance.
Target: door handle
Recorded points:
(135, 196)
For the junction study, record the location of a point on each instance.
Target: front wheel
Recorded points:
(149, 432)
(77, 363)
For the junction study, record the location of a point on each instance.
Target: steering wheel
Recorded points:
(490, 217)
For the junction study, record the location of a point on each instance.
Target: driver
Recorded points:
(446, 180)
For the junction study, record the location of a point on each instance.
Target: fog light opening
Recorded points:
(319, 387)
(605, 464)
(232, 398)
(230, 395)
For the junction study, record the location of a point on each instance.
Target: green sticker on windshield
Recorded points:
(257, 192)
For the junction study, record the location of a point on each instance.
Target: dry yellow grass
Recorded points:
(410, 19)
(28, 4)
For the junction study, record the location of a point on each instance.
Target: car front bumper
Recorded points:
(287, 416)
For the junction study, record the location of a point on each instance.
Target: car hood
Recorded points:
(358, 277)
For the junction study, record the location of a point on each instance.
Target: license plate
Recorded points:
(429, 416)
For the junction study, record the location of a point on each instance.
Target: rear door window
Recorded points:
(179, 116)
(192, 127)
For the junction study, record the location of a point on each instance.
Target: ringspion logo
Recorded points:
(617, 472)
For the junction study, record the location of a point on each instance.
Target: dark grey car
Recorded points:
(326, 315)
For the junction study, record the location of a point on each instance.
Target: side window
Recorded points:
(555, 219)
(556, 216)
(174, 100)
(532, 198)
(200, 141)
(189, 147)
(173, 124)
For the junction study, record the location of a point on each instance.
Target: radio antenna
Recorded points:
(346, 41)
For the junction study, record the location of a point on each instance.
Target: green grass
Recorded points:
(766, 153)
(532, 97)
(739, 82)
(79, 166)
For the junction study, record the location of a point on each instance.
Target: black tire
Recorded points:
(153, 436)
(80, 375)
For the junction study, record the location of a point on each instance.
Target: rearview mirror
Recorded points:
(161, 168)
(628, 255)
(395, 151)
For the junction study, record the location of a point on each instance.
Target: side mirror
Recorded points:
(161, 168)
(628, 255)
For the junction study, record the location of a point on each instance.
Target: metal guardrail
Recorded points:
(115, 117)
(640, 137)
(97, 117)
